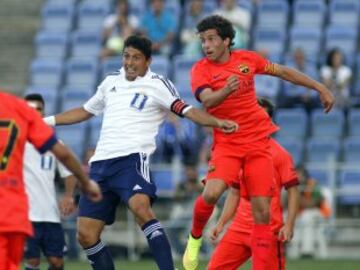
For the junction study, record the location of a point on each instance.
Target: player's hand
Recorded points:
(92, 190)
(228, 126)
(216, 232)
(67, 205)
(286, 233)
(327, 99)
(232, 83)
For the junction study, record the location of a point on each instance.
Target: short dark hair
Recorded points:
(330, 56)
(223, 27)
(267, 105)
(140, 43)
(35, 97)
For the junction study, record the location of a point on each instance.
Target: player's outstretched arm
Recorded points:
(72, 116)
(203, 118)
(228, 212)
(65, 156)
(296, 77)
(287, 231)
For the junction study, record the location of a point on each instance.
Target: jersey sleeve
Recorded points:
(96, 104)
(287, 171)
(39, 134)
(199, 80)
(169, 98)
(263, 65)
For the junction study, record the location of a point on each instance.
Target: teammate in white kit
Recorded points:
(135, 101)
(39, 176)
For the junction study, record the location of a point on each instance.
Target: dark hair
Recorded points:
(267, 105)
(35, 97)
(140, 43)
(223, 27)
(330, 56)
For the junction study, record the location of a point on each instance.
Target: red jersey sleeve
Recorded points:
(263, 65)
(199, 79)
(39, 134)
(287, 171)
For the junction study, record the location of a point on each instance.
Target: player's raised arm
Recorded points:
(297, 77)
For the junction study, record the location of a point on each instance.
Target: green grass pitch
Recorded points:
(292, 265)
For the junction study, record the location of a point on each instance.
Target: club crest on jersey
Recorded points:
(244, 68)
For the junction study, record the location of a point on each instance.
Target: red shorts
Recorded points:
(11, 250)
(253, 159)
(234, 250)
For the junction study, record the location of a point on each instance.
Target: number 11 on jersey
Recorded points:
(139, 101)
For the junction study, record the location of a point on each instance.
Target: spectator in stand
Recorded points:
(314, 211)
(298, 95)
(337, 77)
(194, 13)
(117, 27)
(239, 17)
(158, 24)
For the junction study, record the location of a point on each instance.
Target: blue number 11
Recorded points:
(139, 101)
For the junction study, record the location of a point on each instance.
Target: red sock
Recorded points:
(201, 215)
(263, 245)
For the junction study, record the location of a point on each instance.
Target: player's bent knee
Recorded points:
(56, 263)
(86, 238)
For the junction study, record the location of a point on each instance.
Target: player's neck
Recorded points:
(223, 58)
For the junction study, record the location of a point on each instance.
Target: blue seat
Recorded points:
(349, 187)
(306, 38)
(73, 136)
(293, 123)
(271, 41)
(58, 16)
(344, 38)
(329, 125)
(73, 98)
(91, 15)
(309, 13)
(345, 12)
(267, 86)
(273, 14)
(81, 73)
(182, 68)
(46, 73)
(138, 7)
(51, 45)
(352, 149)
(321, 176)
(160, 65)
(164, 181)
(95, 125)
(50, 97)
(85, 44)
(110, 65)
(322, 149)
(354, 122)
(294, 146)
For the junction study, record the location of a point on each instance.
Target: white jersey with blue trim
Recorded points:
(39, 176)
(133, 112)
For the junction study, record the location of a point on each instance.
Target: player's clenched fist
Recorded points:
(228, 126)
(92, 191)
(232, 83)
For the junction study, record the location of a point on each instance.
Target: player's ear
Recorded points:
(227, 42)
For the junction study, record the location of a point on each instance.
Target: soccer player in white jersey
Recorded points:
(39, 176)
(135, 101)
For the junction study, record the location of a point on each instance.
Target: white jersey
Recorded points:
(39, 176)
(133, 112)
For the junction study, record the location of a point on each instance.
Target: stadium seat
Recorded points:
(58, 16)
(271, 41)
(329, 125)
(321, 176)
(273, 14)
(160, 65)
(86, 44)
(51, 45)
(354, 122)
(50, 97)
(72, 98)
(181, 71)
(95, 125)
(352, 150)
(293, 123)
(345, 12)
(307, 38)
(164, 181)
(344, 38)
(268, 87)
(110, 65)
(81, 73)
(91, 15)
(46, 73)
(73, 136)
(322, 150)
(294, 146)
(349, 187)
(309, 13)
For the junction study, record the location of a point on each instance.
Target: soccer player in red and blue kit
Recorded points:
(20, 123)
(223, 82)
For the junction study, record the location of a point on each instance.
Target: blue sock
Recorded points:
(158, 244)
(100, 257)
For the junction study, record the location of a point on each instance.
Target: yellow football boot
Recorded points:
(191, 255)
